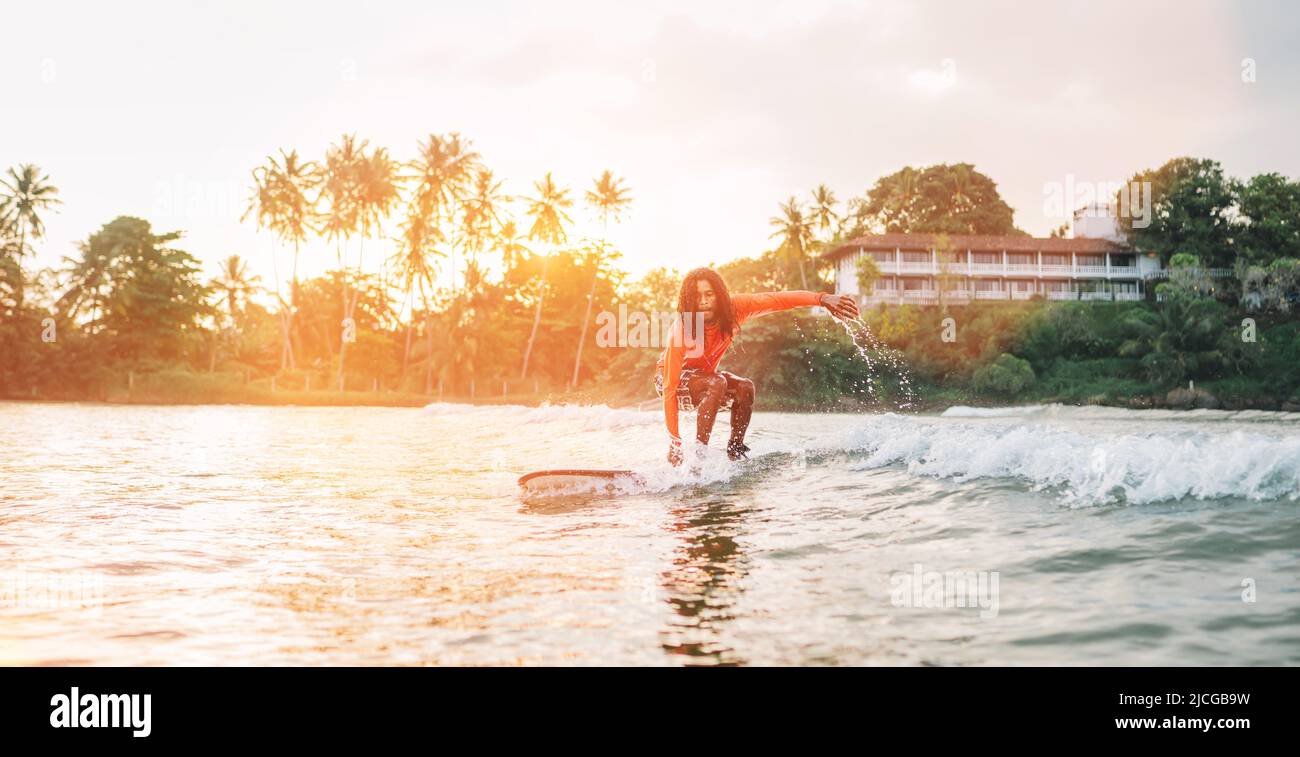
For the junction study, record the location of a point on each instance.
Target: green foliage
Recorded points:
(953, 199)
(1191, 211)
(868, 274)
(1006, 376)
(1269, 219)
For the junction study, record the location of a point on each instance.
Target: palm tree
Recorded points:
(341, 195)
(511, 245)
(823, 214)
(280, 202)
(377, 192)
(235, 285)
(547, 211)
(27, 193)
(483, 207)
(795, 232)
(264, 206)
(414, 262)
(440, 175)
(609, 199)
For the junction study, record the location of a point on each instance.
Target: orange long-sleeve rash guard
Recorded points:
(674, 358)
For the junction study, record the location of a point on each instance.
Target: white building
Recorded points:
(914, 269)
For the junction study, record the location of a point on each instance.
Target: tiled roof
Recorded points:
(975, 242)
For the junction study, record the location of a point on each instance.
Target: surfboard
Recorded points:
(577, 479)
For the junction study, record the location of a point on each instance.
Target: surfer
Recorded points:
(687, 375)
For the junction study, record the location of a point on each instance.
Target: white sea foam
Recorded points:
(1089, 465)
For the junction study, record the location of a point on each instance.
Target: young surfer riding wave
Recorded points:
(687, 376)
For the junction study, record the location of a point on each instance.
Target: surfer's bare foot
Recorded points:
(736, 451)
(675, 453)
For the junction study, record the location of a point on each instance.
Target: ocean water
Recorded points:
(230, 535)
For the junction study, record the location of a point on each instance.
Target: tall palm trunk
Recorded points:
(410, 326)
(18, 280)
(293, 309)
(343, 326)
(286, 350)
(586, 320)
(802, 278)
(537, 318)
(428, 351)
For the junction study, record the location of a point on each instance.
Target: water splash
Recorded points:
(864, 343)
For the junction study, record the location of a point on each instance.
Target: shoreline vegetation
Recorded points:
(521, 318)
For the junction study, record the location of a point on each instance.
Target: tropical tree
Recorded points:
(823, 214)
(510, 243)
(484, 204)
(27, 193)
(440, 175)
(1192, 210)
(547, 211)
(952, 199)
(796, 234)
(234, 284)
(143, 295)
(608, 198)
(340, 196)
(415, 267)
(377, 191)
(282, 202)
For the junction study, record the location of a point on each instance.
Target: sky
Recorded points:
(713, 113)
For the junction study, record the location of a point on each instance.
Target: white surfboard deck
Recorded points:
(577, 479)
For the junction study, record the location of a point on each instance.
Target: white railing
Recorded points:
(1020, 295)
(997, 269)
(991, 294)
(1128, 296)
(1058, 295)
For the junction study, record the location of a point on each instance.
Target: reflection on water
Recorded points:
(306, 536)
(706, 575)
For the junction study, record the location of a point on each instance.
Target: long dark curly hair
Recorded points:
(688, 301)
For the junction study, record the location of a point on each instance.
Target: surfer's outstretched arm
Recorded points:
(761, 303)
